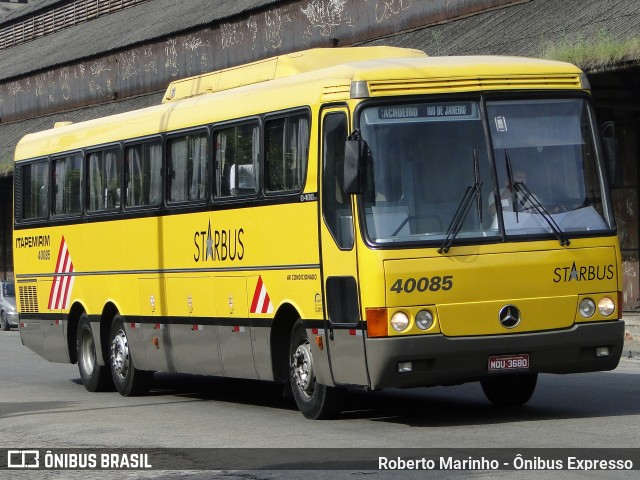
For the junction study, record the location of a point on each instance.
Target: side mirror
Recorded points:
(355, 159)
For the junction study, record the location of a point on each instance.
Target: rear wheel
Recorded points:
(95, 378)
(314, 400)
(510, 390)
(129, 381)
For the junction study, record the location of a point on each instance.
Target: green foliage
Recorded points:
(6, 166)
(590, 53)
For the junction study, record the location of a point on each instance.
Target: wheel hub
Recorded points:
(120, 354)
(302, 366)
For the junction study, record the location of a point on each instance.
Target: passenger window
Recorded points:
(143, 173)
(187, 167)
(286, 151)
(105, 179)
(35, 190)
(236, 160)
(67, 181)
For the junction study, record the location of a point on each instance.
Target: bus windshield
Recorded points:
(431, 174)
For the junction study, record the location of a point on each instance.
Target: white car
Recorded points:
(8, 313)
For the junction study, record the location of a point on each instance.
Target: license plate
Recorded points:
(501, 363)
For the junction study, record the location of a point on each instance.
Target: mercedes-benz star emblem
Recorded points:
(509, 316)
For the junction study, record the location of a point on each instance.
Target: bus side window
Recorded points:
(236, 160)
(67, 195)
(105, 179)
(336, 205)
(35, 190)
(187, 167)
(143, 174)
(286, 152)
(224, 161)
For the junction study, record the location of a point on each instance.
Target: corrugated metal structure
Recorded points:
(526, 28)
(45, 21)
(141, 48)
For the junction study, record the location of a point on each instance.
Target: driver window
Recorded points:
(336, 205)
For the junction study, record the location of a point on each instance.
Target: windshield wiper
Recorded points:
(531, 199)
(463, 208)
(514, 194)
(477, 183)
(543, 212)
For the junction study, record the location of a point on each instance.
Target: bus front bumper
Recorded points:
(431, 360)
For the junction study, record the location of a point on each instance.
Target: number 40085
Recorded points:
(422, 284)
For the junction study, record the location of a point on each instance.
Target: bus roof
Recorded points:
(280, 67)
(309, 78)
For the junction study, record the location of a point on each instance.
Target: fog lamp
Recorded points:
(587, 307)
(404, 367)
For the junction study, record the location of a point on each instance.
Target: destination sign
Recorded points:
(427, 111)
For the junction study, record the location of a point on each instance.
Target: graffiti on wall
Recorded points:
(196, 50)
(244, 33)
(149, 62)
(385, 9)
(324, 16)
(231, 34)
(274, 22)
(257, 34)
(171, 57)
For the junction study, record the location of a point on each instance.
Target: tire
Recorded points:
(314, 400)
(129, 381)
(510, 390)
(95, 378)
(4, 323)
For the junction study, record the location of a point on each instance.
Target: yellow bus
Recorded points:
(357, 217)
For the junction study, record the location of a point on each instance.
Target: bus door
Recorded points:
(344, 329)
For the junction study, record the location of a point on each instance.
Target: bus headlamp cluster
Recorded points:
(400, 320)
(385, 322)
(587, 308)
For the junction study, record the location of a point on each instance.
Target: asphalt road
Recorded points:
(44, 405)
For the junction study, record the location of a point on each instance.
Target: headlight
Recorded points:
(606, 306)
(400, 321)
(424, 319)
(587, 307)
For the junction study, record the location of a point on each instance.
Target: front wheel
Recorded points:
(314, 400)
(129, 381)
(510, 390)
(4, 323)
(95, 378)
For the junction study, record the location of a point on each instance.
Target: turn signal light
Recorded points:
(377, 322)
